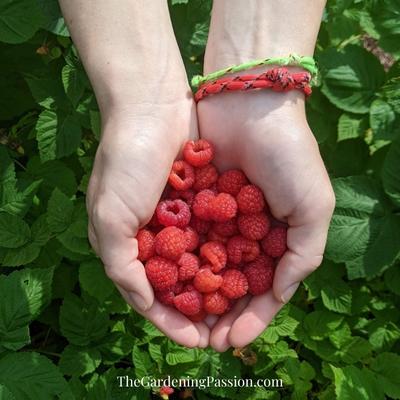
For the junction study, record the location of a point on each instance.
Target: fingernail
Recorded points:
(138, 302)
(289, 292)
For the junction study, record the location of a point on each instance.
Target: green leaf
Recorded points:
(78, 361)
(391, 173)
(54, 22)
(59, 211)
(381, 119)
(73, 82)
(95, 123)
(351, 78)
(351, 126)
(30, 376)
(21, 255)
(183, 356)
(5, 394)
(14, 232)
(387, 367)
(392, 279)
(319, 324)
(142, 362)
(383, 334)
(337, 297)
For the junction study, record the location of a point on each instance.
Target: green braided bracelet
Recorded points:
(306, 62)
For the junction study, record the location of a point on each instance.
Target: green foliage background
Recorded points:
(64, 330)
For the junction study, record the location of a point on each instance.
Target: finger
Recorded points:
(204, 333)
(211, 320)
(219, 335)
(93, 238)
(254, 319)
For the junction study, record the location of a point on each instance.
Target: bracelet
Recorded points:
(277, 79)
(305, 62)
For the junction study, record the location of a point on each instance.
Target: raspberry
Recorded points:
(188, 266)
(206, 282)
(250, 199)
(201, 204)
(145, 240)
(274, 244)
(181, 176)
(215, 303)
(198, 317)
(192, 238)
(178, 287)
(231, 182)
(170, 243)
(165, 391)
(228, 228)
(205, 177)
(223, 207)
(165, 296)
(253, 226)
(186, 195)
(154, 222)
(215, 254)
(213, 236)
(189, 303)
(198, 153)
(161, 273)
(234, 284)
(241, 249)
(201, 226)
(173, 213)
(259, 274)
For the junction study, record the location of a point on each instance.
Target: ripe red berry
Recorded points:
(165, 296)
(170, 243)
(161, 273)
(186, 195)
(234, 284)
(259, 274)
(192, 238)
(206, 282)
(250, 199)
(215, 303)
(200, 316)
(201, 204)
(223, 207)
(214, 253)
(201, 226)
(145, 239)
(181, 176)
(189, 303)
(166, 390)
(212, 236)
(205, 177)
(231, 182)
(228, 228)
(274, 244)
(198, 153)
(189, 265)
(253, 226)
(173, 213)
(241, 249)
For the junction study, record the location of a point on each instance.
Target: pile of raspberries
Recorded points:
(211, 240)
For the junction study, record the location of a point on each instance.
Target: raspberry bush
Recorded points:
(64, 330)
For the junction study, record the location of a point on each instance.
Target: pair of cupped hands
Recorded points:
(263, 133)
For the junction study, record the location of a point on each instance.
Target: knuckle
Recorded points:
(102, 218)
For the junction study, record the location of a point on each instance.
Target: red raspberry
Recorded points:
(198, 153)
(173, 213)
(250, 199)
(181, 176)
(274, 244)
(145, 239)
(241, 249)
(186, 195)
(170, 243)
(154, 222)
(188, 266)
(223, 207)
(188, 288)
(259, 274)
(212, 236)
(189, 303)
(166, 391)
(205, 177)
(192, 238)
(231, 182)
(200, 316)
(215, 254)
(201, 226)
(206, 282)
(165, 296)
(234, 284)
(228, 228)
(161, 273)
(253, 226)
(178, 287)
(201, 204)
(215, 303)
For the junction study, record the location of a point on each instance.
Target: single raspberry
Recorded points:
(200, 316)
(192, 238)
(215, 303)
(181, 176)
(201, 204)
(259, 274)
(250, 199)
(223, 207)
(188, 266)
(189, 303)
(212, 236)
(205, 177)
(173, 213)
(186, 195)
(198, 153)
(228, 228)
(231, 182)
(241, 249)
(161, 273)
(206, 282)
(201, 226)
(170, 243)
(274, 244)
(145, 239)
(165, 391)
(215, 254)
(165, 296)
(234, 284)
(253, 226)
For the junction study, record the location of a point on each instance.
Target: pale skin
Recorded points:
(130, 54)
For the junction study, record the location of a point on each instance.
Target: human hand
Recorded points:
(267, 136)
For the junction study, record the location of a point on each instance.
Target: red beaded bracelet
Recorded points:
(277, 79)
